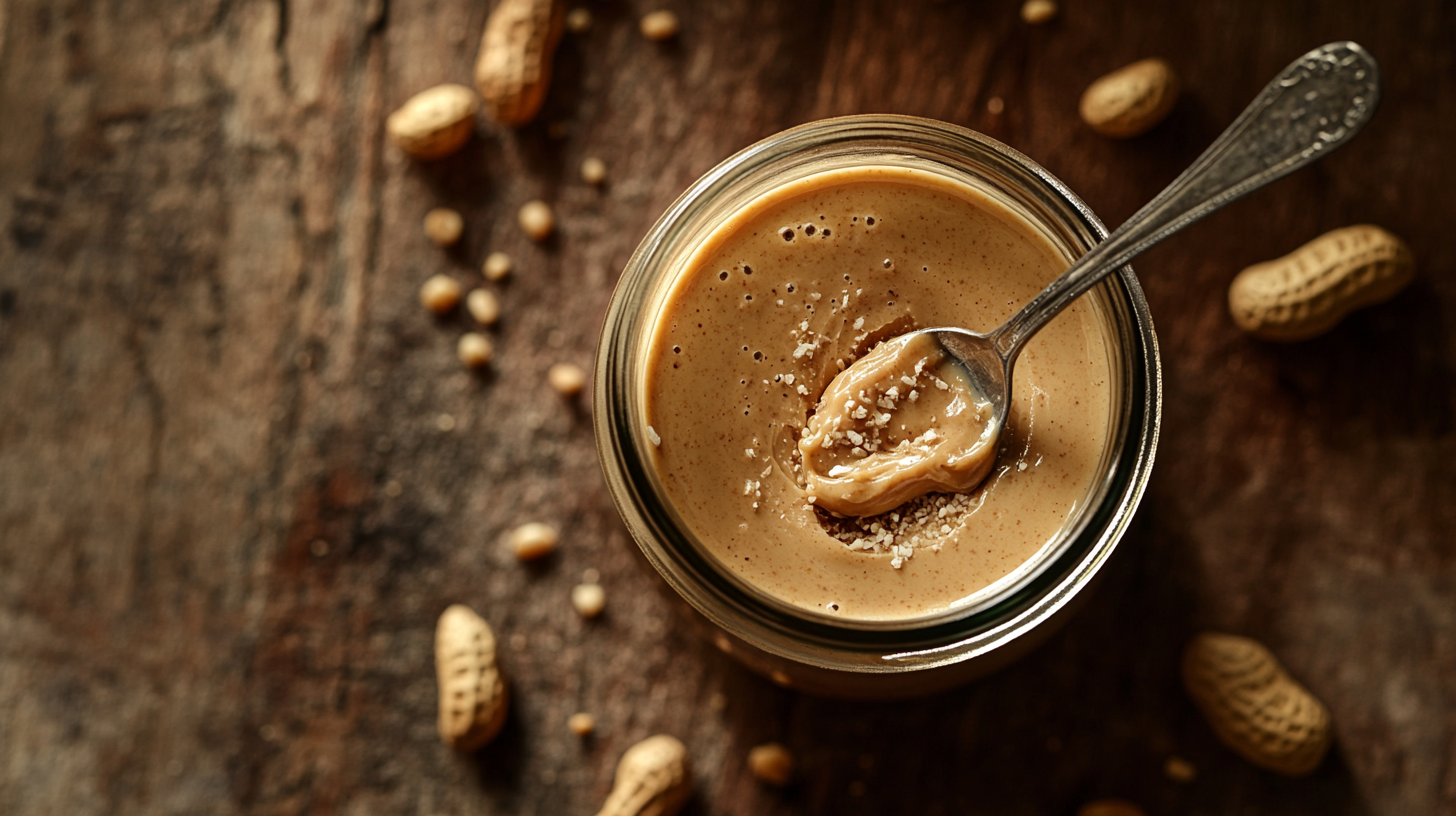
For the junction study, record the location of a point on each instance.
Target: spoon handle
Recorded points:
(1315, 105)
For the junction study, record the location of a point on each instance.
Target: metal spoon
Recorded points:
(1315, 105)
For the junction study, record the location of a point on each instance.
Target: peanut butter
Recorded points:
(741, 398)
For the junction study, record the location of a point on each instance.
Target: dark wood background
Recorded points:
(213, 366)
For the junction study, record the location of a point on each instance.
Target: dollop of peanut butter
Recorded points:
(899, 422)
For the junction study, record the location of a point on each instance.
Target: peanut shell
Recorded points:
(473, 695)
(513, 70)
(1308, 291)
(1130, 100)
(1254, 706)
(434, 123)
(654, 778)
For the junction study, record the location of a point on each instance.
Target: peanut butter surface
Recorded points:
(796, 287)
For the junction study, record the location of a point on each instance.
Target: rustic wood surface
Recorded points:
(231, 510)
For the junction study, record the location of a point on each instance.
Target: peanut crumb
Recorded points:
(497, 266)
(534, 540)
(440, 294)
(443, 226)
(474, 350)
(537, 220)
(659, 26)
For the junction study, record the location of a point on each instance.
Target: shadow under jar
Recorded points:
(790, 260)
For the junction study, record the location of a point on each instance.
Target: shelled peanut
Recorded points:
(444, 226)
(497, 266)
(771, 763)
(474, 350)
(439, 294)
(1308, 291)
(1037, 12)
(483, 306)
(659, 25)
(581, 724)
(1110, 807)
(593, 170)
(588, 599)
(534, 540)
(579, 20)
(536, 220)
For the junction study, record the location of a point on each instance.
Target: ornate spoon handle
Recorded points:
(1315, 105)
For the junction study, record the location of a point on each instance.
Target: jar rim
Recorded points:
(776, 626)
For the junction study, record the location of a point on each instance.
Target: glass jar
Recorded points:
(794, 646)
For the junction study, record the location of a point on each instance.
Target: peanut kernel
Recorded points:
(534, 540)
(537, 220)
(593, 170)
(771, 763)
(1110, 807)
(567, 379)
(443, 226)
(589, 599)
(434, 123)
(659, 25)
(579, 20)
(497, 266)
(474, 350)
(1179, 769)
(440, 294)
(483, 306)
(582, 724)
(1036, 12)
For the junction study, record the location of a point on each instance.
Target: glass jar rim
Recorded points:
(778, 627)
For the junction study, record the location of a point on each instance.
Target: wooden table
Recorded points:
(241, 471)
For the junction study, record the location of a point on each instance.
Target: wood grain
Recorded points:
(229, 516)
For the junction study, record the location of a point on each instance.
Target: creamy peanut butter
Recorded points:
(792, 290)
